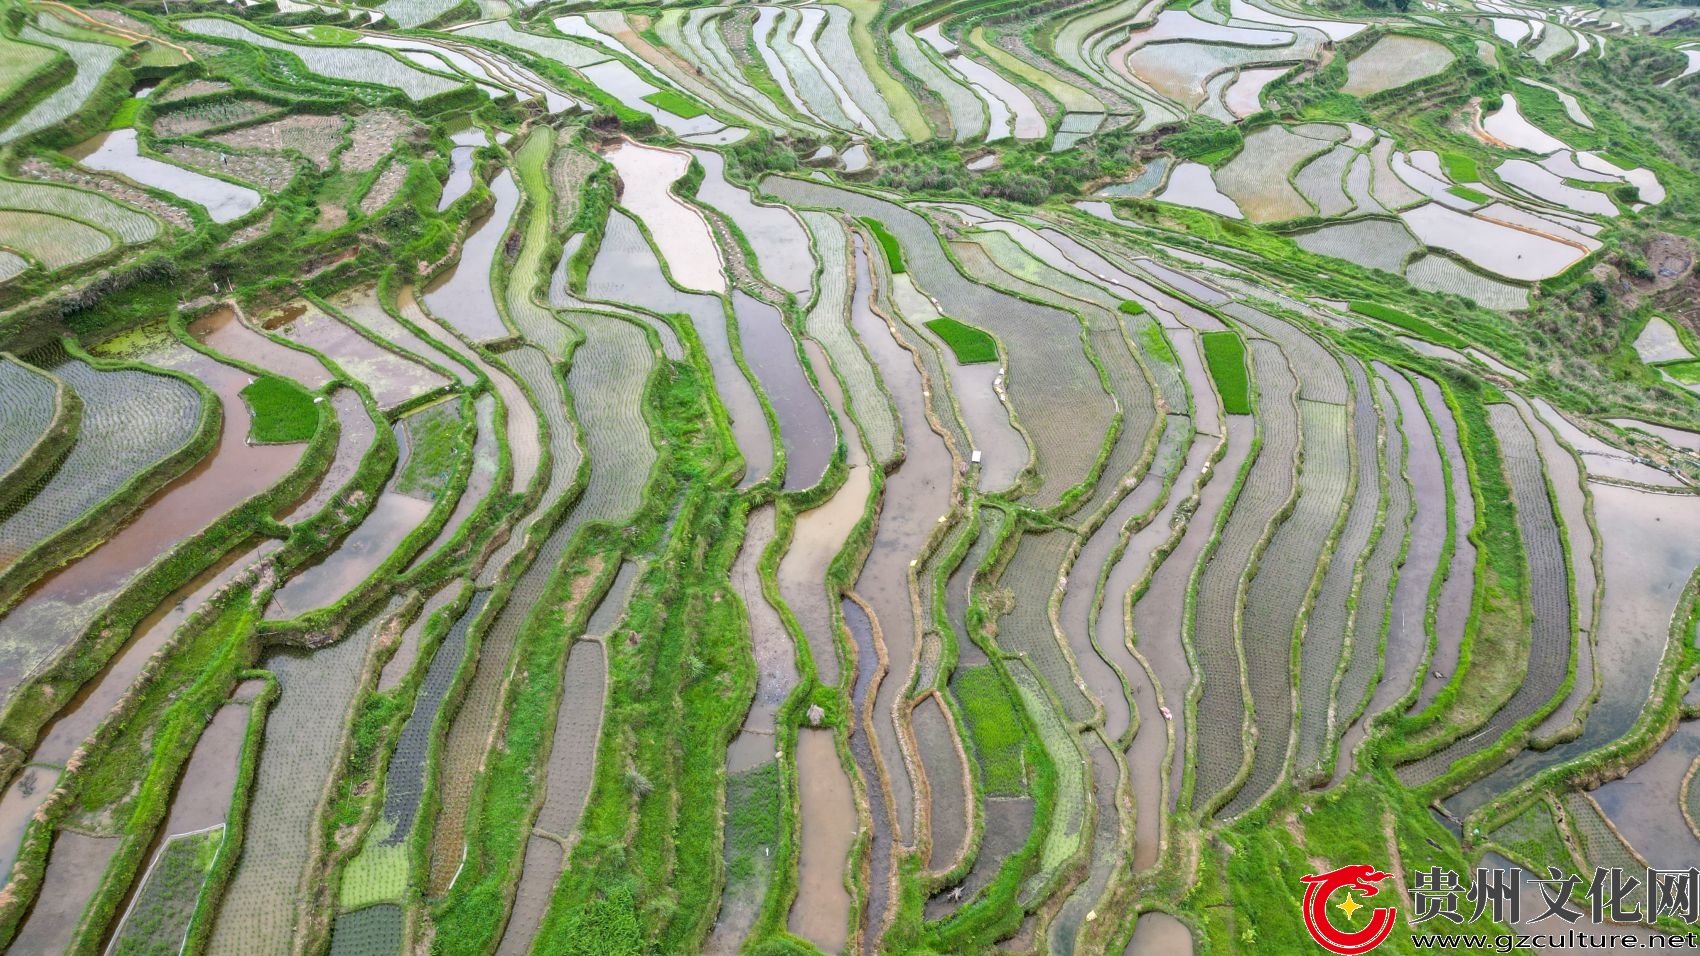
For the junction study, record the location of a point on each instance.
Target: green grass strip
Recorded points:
(1410, 323)
(1460, 168)
(282, 410)
(1224, 352)
(888, 242)
(1687, 370)
(1132, 308)
(676, 103)
(970, 345)
(1470, 195)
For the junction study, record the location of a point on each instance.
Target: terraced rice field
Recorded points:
(835, 477)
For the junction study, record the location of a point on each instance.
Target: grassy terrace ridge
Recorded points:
(519, 630)
(1224, 354)
(1410, 323)
(970, 345)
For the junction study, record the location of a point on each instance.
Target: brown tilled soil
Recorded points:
(385, 189)
(313, 136)
(374, 135)
(195, 88)
(204, 116)
(270, 173)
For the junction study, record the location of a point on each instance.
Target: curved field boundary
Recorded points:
(91, 62)
(41, 423)
(1218, 707)
(1550, 645)
(827, 322)
(129, 225)
(1322, 648)
(1279, 596)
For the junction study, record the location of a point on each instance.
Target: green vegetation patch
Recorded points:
(1470, 195)
(1156, 344)
(433, 434)
(676, 103)
(1410, 323)
(888, 242)
(1687, 370)
(282, 411)
(125, 116)
(1460, 168)
(995, 727)
(1225, 354)
(970, 345)
(1132, 308)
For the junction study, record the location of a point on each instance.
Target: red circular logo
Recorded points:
(1318, 889)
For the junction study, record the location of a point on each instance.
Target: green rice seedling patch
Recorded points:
(1470, 195)
(1532, 837)
(1460, 168)
(1156, 344)
(1686, 371)
(1224, 353)
(160, 915)
(21, 62)
(970, 345)
(1132, 308)
(79, 204)
(676, 103)
(53, 241)
(995, 727)
(1421, 328)
(92, 62)
(282, 411)
(888, 243)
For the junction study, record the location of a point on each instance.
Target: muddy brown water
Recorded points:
(950, 791)
(1159, 934)
(627, 270)
(1649, 545)
(354, 440)
(821, 912)
(209, 779)
(75, 866)
(29, 789)
(817, 537)
(775, 658)
(1009, 821)
(96, 698)
(462, 296)
(332, 577)
(805, 429)
(915, 497)
(56, 609)
(1646, 805)
(392, 378)
(223, 331)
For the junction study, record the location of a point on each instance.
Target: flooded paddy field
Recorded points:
(854, 477)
